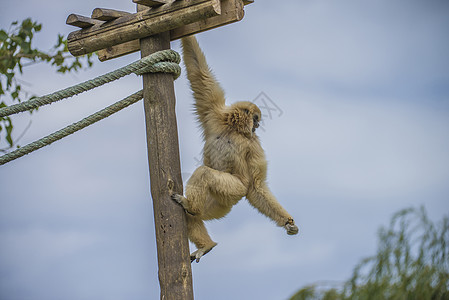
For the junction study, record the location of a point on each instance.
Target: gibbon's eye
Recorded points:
(246, 111)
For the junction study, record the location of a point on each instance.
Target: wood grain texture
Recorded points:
(231, 11)
(81, 21)
(175, 274)
(118, 50)
(105, 14)
(150, 3)
(141, 24)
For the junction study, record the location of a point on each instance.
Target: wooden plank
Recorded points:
(231, 11)
(118, 50)
(105, 14)
(175, 273)
(150, 3)
(141, 24)
(81, 21)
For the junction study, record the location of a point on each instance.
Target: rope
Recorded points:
(165, 61)
(62, 133)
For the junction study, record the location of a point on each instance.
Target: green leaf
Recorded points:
(17, 39)
(9, 127)
(9, 77)
(60, 41)
(3, 35)
(17, 52)
(26, 47)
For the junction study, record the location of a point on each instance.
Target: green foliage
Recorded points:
(412, 263)
(17, 52)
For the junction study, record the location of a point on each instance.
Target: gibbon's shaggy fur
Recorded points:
(234, 161)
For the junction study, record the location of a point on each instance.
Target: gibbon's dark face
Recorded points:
(256, 119)
(244, 117)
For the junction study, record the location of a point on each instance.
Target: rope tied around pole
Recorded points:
(165, 61)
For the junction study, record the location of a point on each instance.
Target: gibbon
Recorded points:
(234, 161)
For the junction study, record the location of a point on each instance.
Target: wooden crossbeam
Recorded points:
(141, 24)
(150, 3)
(231, 11)
(81, 21)
(118, 50)
(105, 14)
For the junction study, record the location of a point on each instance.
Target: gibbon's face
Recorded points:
(244, 117)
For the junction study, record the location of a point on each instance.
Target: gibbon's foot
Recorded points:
(200, 253)
(177, 198)
(291, 227)
(181, 200)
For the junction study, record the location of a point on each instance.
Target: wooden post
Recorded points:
(175, 274)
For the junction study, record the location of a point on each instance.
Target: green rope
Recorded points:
(62, 133)
(165, 61)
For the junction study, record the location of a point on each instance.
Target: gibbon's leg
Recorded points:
(228, 189)
(198, 235)
(263, 200)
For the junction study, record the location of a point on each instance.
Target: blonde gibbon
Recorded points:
(234, 161)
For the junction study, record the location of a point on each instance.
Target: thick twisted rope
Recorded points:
(164, 61)
(62, 133)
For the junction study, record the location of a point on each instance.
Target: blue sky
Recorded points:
(363, 87)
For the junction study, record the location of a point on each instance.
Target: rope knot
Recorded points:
(165, 61)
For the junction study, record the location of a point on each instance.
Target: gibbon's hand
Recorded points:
(291, 227)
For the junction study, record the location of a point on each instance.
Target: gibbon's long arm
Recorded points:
(209, 96)
(264, 201)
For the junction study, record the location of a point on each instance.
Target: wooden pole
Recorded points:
(175, 274)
